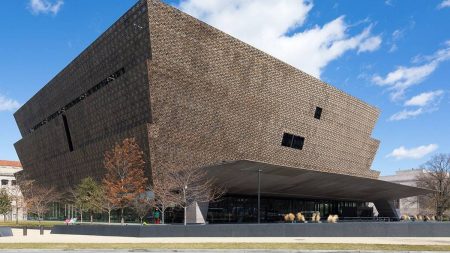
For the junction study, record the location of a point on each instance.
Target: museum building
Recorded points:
(193, 96)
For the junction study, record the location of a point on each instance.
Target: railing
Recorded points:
(367, 219)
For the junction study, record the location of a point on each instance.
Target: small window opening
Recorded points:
(318, 113)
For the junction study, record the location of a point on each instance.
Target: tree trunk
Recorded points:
(92, 218)
(162, 215)
(17, 215)
(185, 222)
(81, 215)
(439, 211)
(109, 216)
(122, 220)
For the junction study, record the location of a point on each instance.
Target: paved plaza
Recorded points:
(34, 237)
(206, 251)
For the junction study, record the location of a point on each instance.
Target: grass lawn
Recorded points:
(287, 246)
(30, 223)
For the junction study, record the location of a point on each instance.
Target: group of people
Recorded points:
(71, 221)
(156, 219)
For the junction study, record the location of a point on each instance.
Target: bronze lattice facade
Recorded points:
(192, 96)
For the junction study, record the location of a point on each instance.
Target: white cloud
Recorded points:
(406, 114)
(272, 26)
(444, 4)
(396, 36)
(412, 153)
(45, 6)
(399, 80)
(404, 77)
(424, 99)
(393, 48)
(7, 104)
(371, 44)
(427, 102)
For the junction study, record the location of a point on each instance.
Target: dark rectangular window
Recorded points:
(318, 113)
(4, 182)
(292, 141)
(298, 142)
(66, 128)
(13, 182)
(287, 140)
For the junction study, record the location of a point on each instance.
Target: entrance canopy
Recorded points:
(241, 177)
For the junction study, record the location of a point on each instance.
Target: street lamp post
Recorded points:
(184, 200)
(259, 196)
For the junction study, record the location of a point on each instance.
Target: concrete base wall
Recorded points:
(349, 229)
(5, 231)
(196, 213)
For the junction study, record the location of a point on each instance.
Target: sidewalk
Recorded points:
(34, 237)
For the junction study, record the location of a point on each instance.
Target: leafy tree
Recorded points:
(125, 179)
(436, 178)
(87, 196)
(105, 203)
(5, 203)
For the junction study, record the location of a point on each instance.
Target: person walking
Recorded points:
(156, 216)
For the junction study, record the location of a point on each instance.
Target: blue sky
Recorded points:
(392, 54)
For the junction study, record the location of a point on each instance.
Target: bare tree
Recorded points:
(125, 179)
(165, 191)
(18, 202)
(192, 185)
(25, 185)
(436, 178)
(38, 199)
(142, 204)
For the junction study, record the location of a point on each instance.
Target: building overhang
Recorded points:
(241, 177)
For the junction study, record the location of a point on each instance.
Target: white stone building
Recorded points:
(409, 206)
(8, 182)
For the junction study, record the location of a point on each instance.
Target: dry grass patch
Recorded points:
(30, 224)
(287, 246)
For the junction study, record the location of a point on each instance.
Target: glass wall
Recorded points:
(244, 209)
(233, 209)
